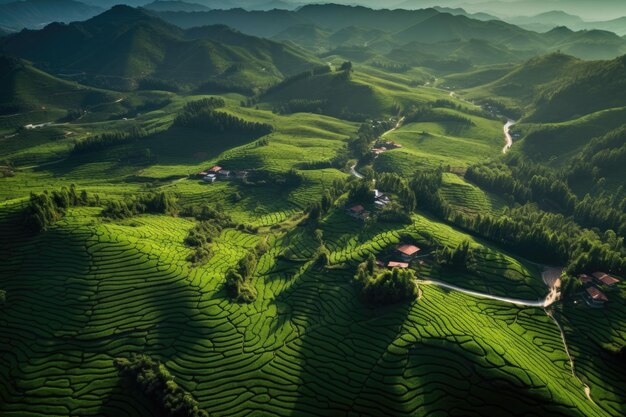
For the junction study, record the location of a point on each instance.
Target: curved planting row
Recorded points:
(84, 293)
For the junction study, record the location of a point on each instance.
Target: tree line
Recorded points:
(523, 181)
(206, 118)
(44, 209)
(109, 139)
(154, 380)
(128, 206)
(530, 231)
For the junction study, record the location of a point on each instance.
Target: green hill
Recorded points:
(124, 45)
(337, 94)
(24, 88)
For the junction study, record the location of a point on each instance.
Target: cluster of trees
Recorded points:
(152, 378)
(208, 119)
(3, 298)
(211, 223)
(46, 208)
(318, 209)
(460, 258)
(524, 181)
(429, 113)
(368, 132)
(394, 183)
(106, 140)
(239, 284)
(601, 157)
(530, 231)
(386, 287)
(208, 103)
(156, 203)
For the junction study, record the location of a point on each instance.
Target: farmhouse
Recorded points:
(215, 169)
(605, 280)
(407, 252)
(359, 212)
(595, 298)
(209, 178)
(401, 265)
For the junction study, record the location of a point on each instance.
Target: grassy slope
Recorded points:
(307, 345)
(420, 360)
(429, 144)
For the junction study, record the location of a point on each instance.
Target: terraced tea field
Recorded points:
(90, 288)
(86, 292)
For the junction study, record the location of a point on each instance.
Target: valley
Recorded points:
(323, 210)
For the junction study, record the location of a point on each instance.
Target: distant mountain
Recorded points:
(563, 87)
(38, 13)
(175, 6)
(331, 17)
(306, 35)
(384, 30)
(546, 21)
(462, 12)
(455, 55)
(617, 26)
(444, 27)
(125, 45)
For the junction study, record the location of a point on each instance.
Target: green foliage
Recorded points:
(106, 140)
(461, 258)
(202, 116)
(360, 191)
(158, 384)
(238, 282)
(157, 203)
(3, 298)
(46, 208)
(387, 287)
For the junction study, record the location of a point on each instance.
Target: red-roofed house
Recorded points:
(407, 252)
(215, 169)
(402, 265)
(358, 212)
(606, 279)
(595, 298)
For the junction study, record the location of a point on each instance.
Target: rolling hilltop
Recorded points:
(383, 30)
(561, 87)
(122, 46)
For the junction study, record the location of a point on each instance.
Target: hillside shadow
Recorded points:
(341, 341)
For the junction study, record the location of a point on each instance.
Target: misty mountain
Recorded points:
(38, 13)
(175, 6)
(124, 46)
